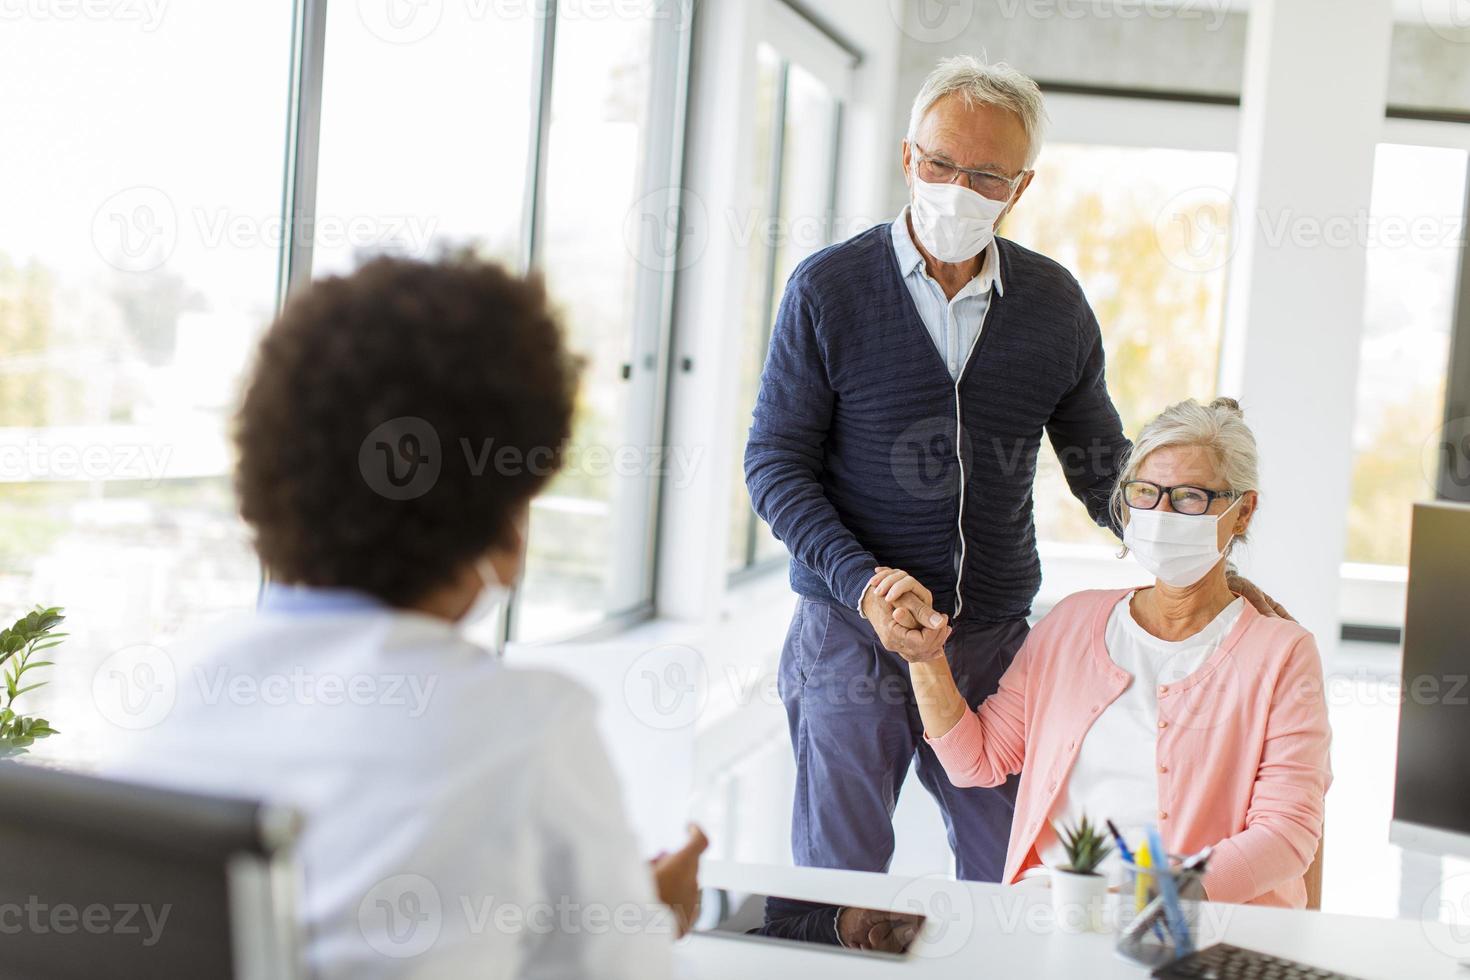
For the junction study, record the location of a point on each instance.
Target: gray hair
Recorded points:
(987, 84)
(1219, 427)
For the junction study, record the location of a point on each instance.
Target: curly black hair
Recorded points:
(397, 420)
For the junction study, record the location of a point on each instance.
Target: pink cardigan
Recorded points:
(1242, 750)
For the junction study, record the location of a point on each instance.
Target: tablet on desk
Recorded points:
(772, 919)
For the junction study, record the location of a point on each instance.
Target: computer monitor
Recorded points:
(108, 879)
(1431, 808)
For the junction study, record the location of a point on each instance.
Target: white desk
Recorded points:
(980, 932)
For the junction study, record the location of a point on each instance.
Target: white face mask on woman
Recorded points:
(1177, 549)
(493, 594)
(953, 223)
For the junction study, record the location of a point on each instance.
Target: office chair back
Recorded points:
(108, 879)
(1314, 877)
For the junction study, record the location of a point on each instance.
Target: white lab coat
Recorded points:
(462, 817)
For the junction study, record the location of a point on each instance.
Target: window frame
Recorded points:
(648, 359)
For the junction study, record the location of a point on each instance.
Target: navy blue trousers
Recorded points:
(855, 729)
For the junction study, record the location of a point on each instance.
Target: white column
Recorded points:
(1312, 108)
(694, 538)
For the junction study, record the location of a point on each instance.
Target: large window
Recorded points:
(431, 138)
(793, 184)
(610, 113)
(1147, 231)
(426, 120)
(141, 196)
(140, 258)
(1416, 231)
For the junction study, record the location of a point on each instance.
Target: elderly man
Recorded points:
(912, 371)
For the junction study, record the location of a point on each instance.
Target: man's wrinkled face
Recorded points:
(976, 137)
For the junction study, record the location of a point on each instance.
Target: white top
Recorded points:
(1115, 776)
(462, 817)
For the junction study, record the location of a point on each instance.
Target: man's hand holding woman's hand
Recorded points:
(903, 615)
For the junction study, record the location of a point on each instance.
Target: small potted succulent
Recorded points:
(19, 644)
(1078, 891)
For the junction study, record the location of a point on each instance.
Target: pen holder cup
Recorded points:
(1145, 934)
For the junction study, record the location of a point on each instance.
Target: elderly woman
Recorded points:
(1176, 704)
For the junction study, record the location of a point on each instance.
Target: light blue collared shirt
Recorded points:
(277, 597)
(954, 324)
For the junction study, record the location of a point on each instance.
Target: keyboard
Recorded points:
(1225, 962)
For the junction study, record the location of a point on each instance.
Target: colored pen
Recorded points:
(1122, 845)
(1173, 911)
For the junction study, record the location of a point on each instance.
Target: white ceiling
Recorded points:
(1453, 13)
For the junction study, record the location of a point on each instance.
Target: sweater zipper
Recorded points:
(959, 602)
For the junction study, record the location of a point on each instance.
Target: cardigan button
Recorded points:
(1163, 723)
(1163, 815)
(1163, 768)
(1163, 688)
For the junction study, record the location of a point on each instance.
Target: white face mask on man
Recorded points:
(1177, 549)
(953, 223)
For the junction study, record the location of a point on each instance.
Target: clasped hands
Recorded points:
(903, 615)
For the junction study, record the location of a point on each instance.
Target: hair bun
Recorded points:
(1228, 405)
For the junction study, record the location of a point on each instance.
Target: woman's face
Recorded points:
(1195, 466)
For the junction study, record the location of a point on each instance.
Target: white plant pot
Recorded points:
(1079, 901)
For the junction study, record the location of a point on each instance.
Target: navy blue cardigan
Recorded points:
(852, 454)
